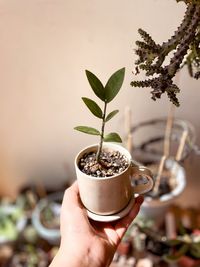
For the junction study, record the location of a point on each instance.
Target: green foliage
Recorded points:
(186, 242)
(111, 115)
(180, 247)
(93, 107)
(105, 94)
(112, 137)
(182, 48)
(178, 254)
(88, 130)
(195, 250)
(96, 85)
(113, 85)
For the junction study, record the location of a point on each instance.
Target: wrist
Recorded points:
(64, 259)
(58, 260)
(73, 259)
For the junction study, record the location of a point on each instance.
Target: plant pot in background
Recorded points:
(12, 222)
(148, 139)
(156, 208)
(45, 218)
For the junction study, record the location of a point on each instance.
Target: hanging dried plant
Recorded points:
(183, 45)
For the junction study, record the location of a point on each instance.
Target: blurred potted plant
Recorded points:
(149, 138)
(12, 223)
(184, 249)
(46, 217)
(28, 256)
(103, 170)
(158, 201)
(166, 144)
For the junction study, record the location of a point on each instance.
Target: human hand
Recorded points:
(86, 243)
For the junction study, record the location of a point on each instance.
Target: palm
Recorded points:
(99, 239)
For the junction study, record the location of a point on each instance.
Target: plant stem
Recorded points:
(172, 43)
(102, 133)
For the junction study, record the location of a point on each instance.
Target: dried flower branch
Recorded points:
(185, 47)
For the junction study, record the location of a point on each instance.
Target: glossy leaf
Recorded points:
(88, 130)
(111, 115)
(96, 85)
(93, 107)
(114, 84)
(112, 137)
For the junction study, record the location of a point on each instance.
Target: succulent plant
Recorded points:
(186, 242)
(106, 94)
(184, 45)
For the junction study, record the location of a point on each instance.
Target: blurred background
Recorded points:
(45, 47)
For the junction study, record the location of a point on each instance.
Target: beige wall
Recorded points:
(45, 46)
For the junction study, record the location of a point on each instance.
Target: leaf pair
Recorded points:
(96, 110)
(111, 137)
(112, 87)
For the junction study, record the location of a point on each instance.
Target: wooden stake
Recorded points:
(129, 143)
(160, 170)
(181, 145)
(41, 190)
(168, 130)
(128, 118)
(166, 148)
(178, 158)
(170, 225)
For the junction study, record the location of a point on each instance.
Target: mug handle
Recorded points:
(137, 172)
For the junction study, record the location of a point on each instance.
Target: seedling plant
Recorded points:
(106, 94)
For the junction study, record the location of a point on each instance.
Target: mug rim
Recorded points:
(120, 147)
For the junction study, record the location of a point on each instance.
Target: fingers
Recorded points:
(74, 187)
(71, 197)
(72, 208)
(124, 223)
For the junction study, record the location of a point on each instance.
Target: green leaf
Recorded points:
(177, 254)
(182, 229)
(114, 84)
(195, 250)
(96, 85)
(174, 242)
(112, 137)
(87, 130)
(111, 115)
(93, 107)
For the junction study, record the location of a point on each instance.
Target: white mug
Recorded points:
(109, 195)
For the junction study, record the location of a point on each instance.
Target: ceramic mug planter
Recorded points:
(109, 195)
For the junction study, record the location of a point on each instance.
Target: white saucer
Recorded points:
(113, 217)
